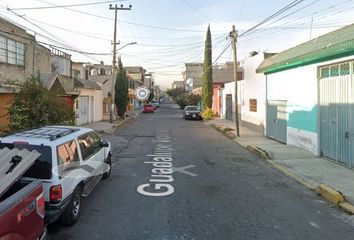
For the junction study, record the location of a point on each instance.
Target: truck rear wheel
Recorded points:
(72, 212)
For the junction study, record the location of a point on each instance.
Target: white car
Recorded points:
(72, 162)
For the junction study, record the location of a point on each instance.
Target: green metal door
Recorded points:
(336, 100)
(276, 127)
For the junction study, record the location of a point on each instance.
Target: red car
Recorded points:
(149, 108)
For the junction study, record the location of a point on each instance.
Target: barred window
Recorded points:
(12, 52)
(324, 72)
(253, 105)
(344, 69)
(334, 71)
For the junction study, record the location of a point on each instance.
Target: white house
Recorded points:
(309, 95)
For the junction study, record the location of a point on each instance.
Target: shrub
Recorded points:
(35, 106)
(208, 114)
(182, 101)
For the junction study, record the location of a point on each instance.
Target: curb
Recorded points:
(333, 196)
(330, 194)
(120, 123)
(259, 152)
(222, 130)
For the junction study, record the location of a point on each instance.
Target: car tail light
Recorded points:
(56, 194)
(40, 205)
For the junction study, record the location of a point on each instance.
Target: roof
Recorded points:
(44, 134)
(89, 84)
(66, 82)
(336, 44)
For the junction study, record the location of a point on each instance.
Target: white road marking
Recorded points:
(183, 170)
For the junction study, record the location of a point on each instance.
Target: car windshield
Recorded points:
(191, 109)
(148, 105)
(42, 167)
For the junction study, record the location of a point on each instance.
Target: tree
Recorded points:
(152, 95)
(36, 106)
(207, 85)
(121, 98)
(175, 92)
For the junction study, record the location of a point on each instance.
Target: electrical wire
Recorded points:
(60, 6)
(287, 7)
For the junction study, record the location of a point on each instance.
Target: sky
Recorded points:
(170, 33)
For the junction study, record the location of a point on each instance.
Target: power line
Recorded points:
(48, 38)
(201, 13)
(60, 6)
(126, 22)
(287, 7)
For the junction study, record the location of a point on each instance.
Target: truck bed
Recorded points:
(18, 214)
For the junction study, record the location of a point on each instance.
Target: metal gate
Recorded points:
(229, 106)
(277, 120)
(83, 110)
(336, 112)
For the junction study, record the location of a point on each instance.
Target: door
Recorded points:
(277, 120)
(229, 107)
(336, 112)
(83, 110)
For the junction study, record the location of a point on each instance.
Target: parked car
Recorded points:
(72, 162)
(22, 203)
(149, 108)
(155, 103)
(191, 112)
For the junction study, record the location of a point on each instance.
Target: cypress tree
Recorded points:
(121, 98)
(207, 85)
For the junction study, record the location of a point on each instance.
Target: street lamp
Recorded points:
(114, 70)
(131, 43)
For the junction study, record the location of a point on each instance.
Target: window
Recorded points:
(89, 144)
(96, 142)
(253, 105)
(68, 157)
(12, 52)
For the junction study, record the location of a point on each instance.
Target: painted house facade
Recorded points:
(94, 81)
(309, 95)
(253, 92)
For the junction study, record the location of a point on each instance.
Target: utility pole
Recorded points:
(233, 35)
(114, 62)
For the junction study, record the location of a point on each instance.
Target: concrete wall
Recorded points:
(299, 87)
(33, 51)
(253, 87)
(97, 102)
(6, 100)
(61, 65)
(229, 88)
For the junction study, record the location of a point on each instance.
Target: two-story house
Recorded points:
(136, 77)
(21, 57)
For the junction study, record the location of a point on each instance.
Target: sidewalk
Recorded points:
(107, 127)
(318, 174)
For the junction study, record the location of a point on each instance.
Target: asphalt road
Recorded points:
(217, 190)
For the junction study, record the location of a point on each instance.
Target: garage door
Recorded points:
(336, 99)
(83, 110)
(277, 120)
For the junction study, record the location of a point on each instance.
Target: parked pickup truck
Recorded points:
(22, 203)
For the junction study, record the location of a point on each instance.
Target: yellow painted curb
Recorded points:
(330, 194)
(259, 152)
(347, 207)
